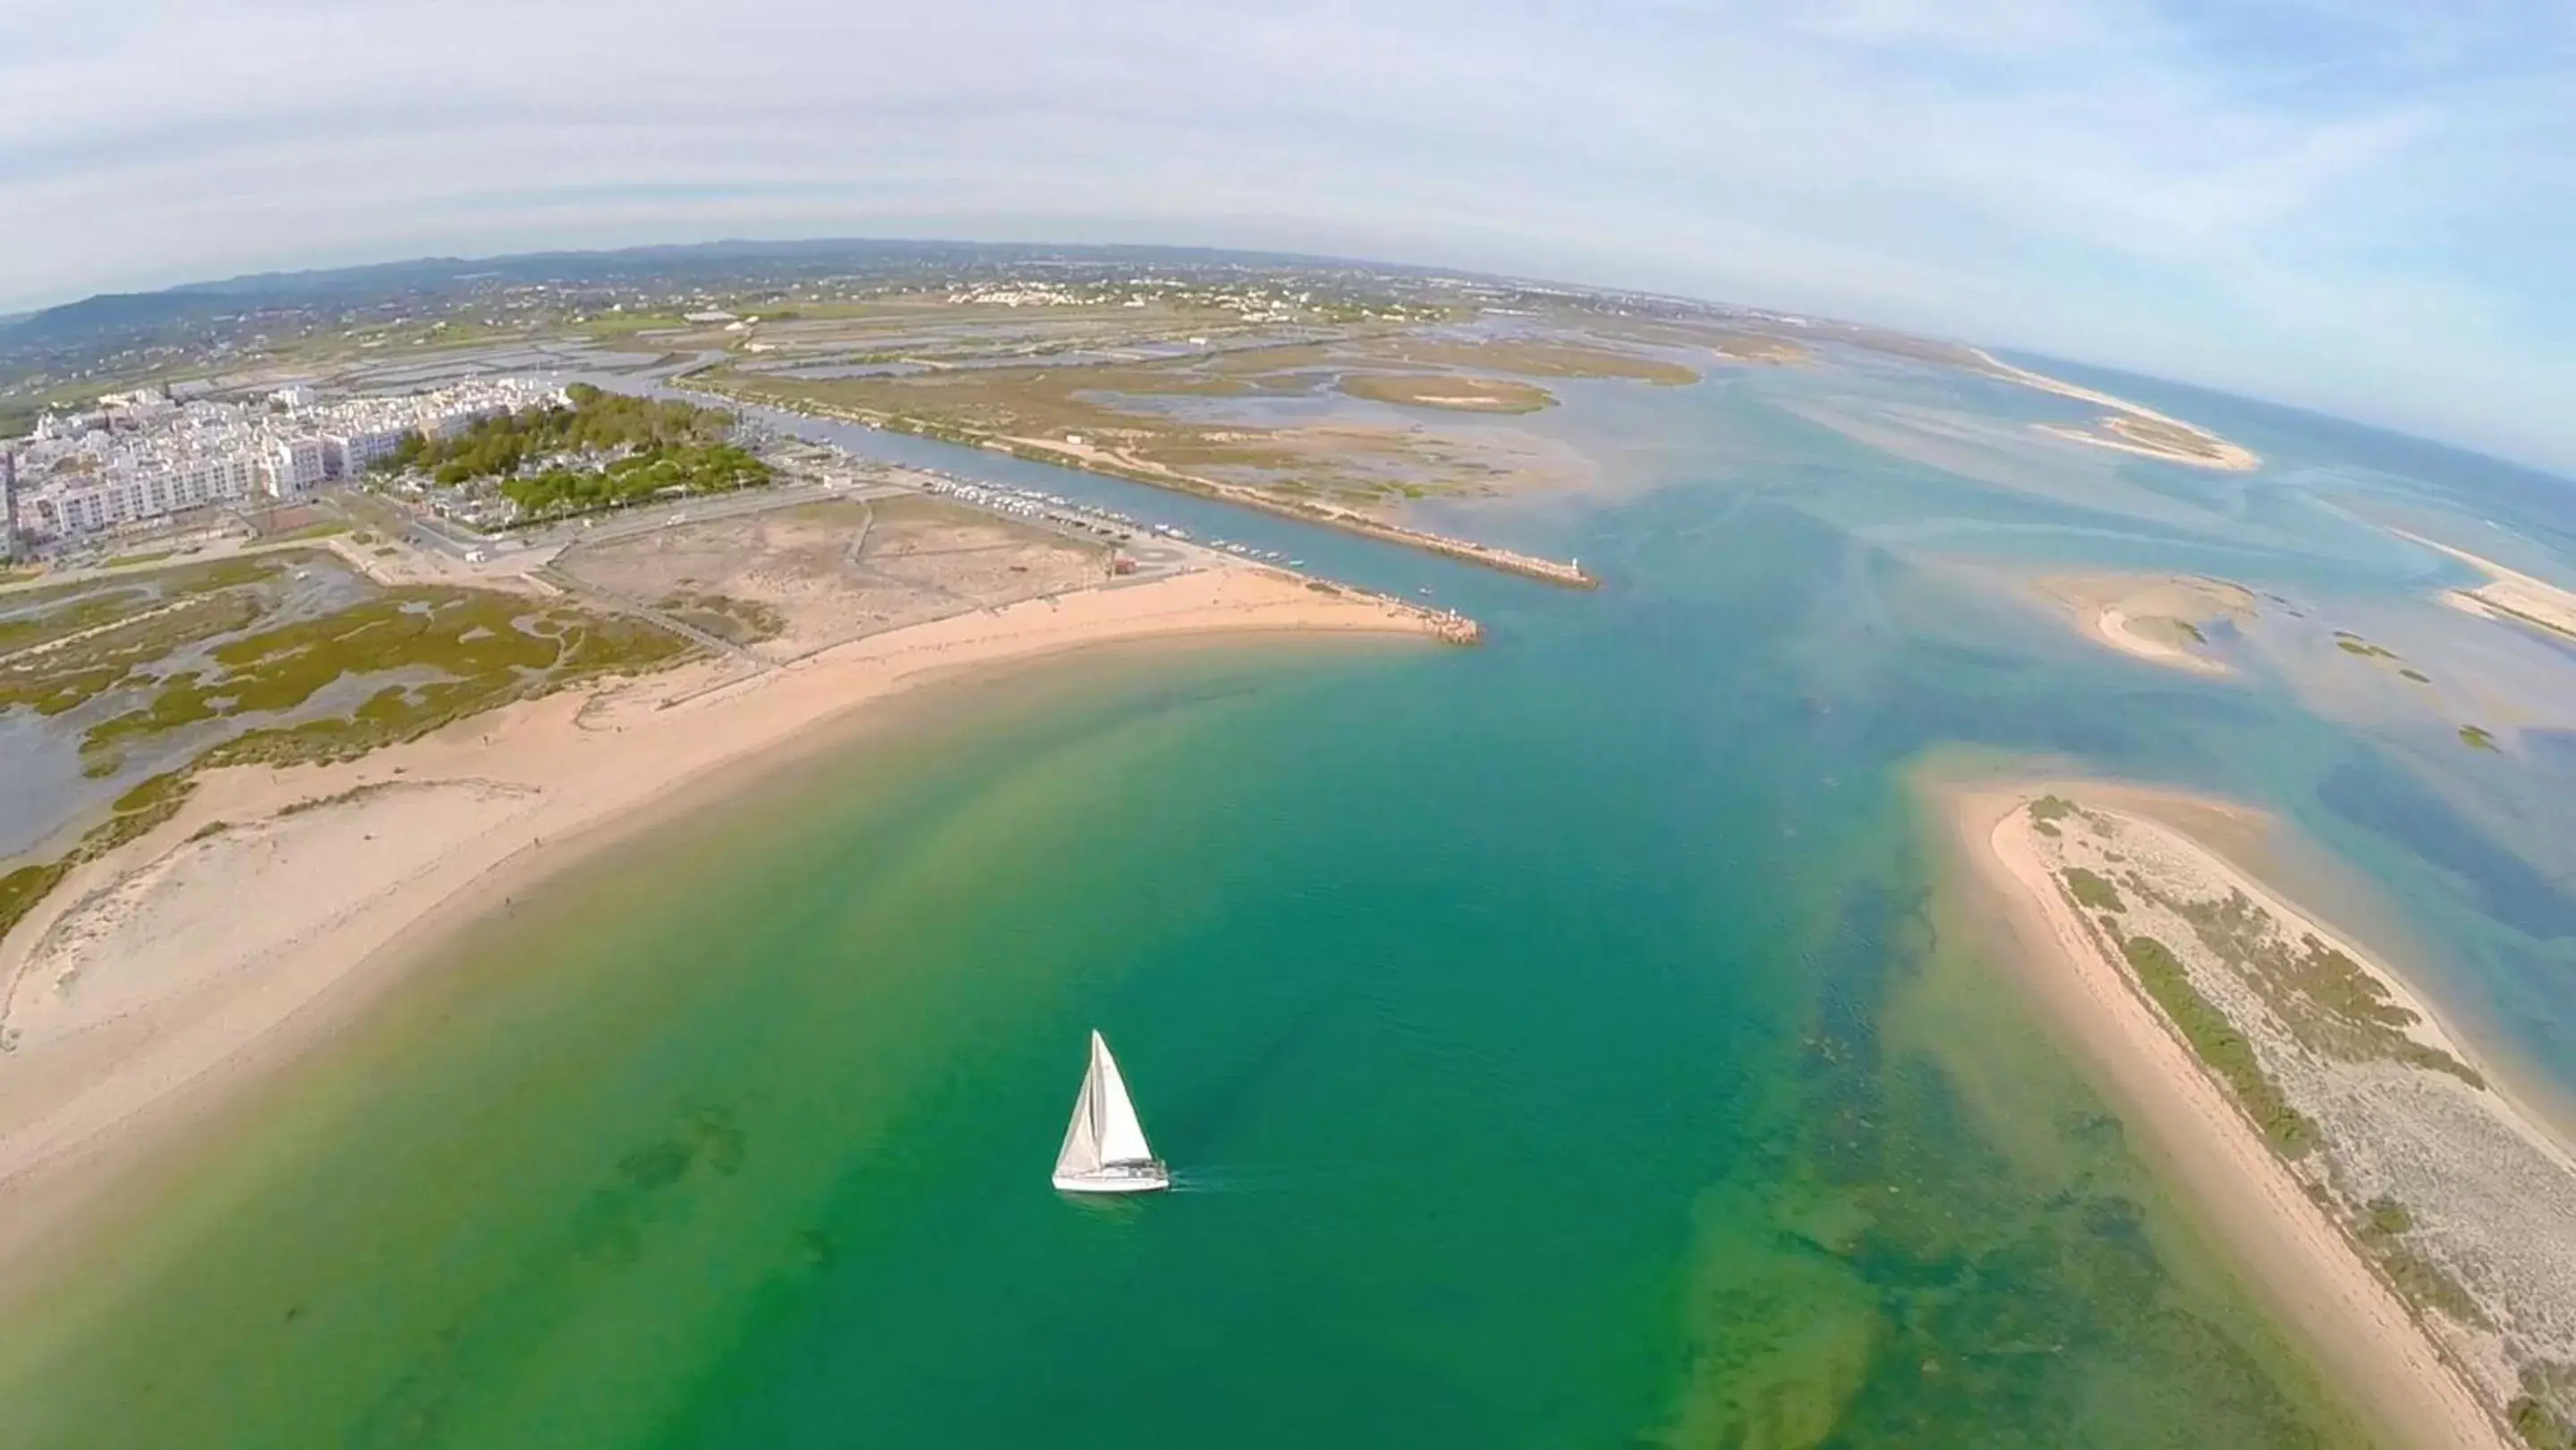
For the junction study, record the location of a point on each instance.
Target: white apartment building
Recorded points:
(132, 498)
(348, 454)
(295, 465)
(144, 458)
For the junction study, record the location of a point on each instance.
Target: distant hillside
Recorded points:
(104, 323)
(112, 313)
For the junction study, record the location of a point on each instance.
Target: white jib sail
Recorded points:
(1081, 1152)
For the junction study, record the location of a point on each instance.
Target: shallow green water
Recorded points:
(1559, 1043)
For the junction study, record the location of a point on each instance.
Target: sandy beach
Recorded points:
(156, 982)
(2427, 1380)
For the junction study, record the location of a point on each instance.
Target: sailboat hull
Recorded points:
(1116, 1178)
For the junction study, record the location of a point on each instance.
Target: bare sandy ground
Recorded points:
(837, 570)
(159, 981)
(2287, 1243)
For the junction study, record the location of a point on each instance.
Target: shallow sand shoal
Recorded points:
(157, 982)
(2285, 1243)
(2118, 610)
(2111, 626)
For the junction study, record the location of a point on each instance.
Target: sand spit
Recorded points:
(2160, 618)
(160, 978)
(2416, 1222)
(2130, 427)
(2508, 594)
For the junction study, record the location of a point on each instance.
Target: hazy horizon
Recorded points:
(2358, 206)
(2544, 469)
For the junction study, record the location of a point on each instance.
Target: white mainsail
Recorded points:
(1122, 1138)
(1104, 1146)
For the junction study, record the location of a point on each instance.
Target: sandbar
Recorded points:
(2153, 617)
(2508, 594)
(2129, 427)
(2368, 1167)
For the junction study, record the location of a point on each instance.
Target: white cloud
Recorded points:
(2244, 192)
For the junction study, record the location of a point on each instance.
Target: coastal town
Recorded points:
(142, 459)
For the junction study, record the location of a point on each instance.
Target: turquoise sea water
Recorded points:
(1559, 1043)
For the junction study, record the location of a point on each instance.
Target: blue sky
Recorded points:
(2367, 206)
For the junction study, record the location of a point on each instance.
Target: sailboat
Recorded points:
(1104, 1147)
